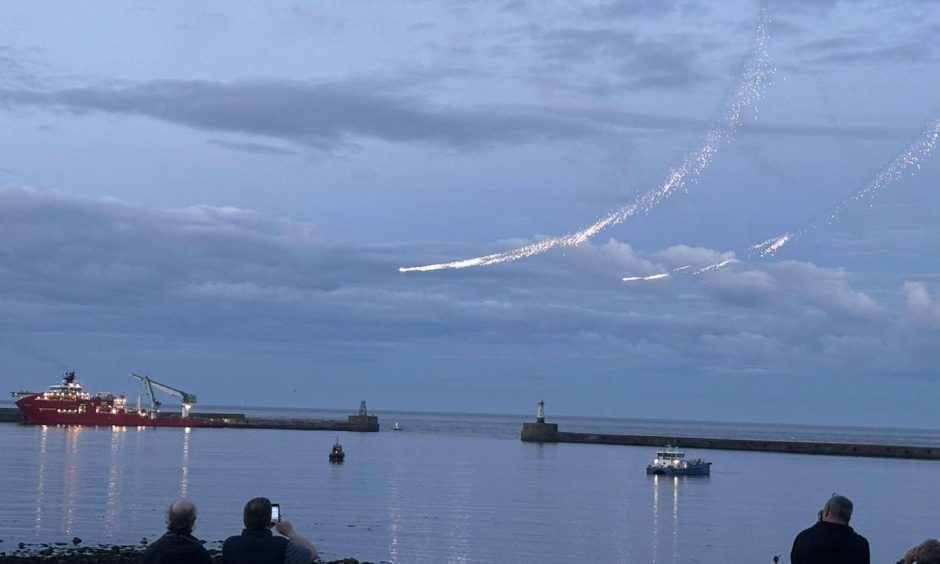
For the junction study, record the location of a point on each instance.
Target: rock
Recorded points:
(55, 553)
(76, 541)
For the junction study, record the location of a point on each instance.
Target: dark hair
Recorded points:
(840, 506)
(928, 552)
(181, 516)
(257, 513)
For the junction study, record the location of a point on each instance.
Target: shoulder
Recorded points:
(296, 554)
(151, 550)
(156, 545)
(807, 532)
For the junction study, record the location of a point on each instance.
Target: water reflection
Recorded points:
(670, 526)
(114, 478)
(460, 515)
(184, 477)
(394, 516)
(41, 477)
(73, 435)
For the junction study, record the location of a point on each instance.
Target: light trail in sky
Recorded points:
(750, 88)
(687, 269)
(911, 156)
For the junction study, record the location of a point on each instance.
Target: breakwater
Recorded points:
(540, 432)
(354, 423)
(10, 415)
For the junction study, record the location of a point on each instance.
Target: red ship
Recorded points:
(67, 404)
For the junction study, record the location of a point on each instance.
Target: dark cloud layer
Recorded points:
(319, 115)
(205, 274)
(330, 116)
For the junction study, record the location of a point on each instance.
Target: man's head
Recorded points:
(258, 513)
(928, 552)
(181, 516)
(837, 510)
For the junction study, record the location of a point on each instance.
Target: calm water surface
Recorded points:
(462, 488)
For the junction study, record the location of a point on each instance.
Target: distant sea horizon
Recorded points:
(579, 420)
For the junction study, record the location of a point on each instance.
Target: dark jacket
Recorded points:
(254, 546)
(829, 543)
(177, 547)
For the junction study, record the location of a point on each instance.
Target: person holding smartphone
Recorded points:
(257, 544)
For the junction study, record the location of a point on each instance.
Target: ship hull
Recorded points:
(697, 470)
(98, 412)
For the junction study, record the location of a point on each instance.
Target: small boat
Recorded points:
(670, 461)
(397, 427)
(336, 453)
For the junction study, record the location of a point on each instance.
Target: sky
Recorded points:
(221, 195)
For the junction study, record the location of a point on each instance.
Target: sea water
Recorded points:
(462, 488)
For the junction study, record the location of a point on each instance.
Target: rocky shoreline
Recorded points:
(76, 552)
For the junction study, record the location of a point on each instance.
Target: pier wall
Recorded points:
(305, 424)
(11, 415)
(543, 433)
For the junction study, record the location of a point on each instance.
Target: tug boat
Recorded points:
(670, 461)
(336, 453)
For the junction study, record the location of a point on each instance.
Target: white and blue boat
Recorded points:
(670, 461)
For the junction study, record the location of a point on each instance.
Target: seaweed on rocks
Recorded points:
(62, 553)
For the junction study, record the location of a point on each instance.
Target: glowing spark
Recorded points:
(750, 89)
(682, 269)
(714, 266)
(659, 276)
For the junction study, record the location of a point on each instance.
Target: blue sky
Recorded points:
(220, 196)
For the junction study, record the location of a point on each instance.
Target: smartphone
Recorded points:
(275, 513)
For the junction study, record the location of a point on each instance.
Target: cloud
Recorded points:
(681, 255)
(336, 115)
(639, 62)
(921, 307)
(628, 9)
(860, 50)
(790, 285)
(252, 147)
(321, 115)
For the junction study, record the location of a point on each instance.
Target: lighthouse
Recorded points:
(540, 431)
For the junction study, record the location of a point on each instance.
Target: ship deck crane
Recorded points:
(186, 399)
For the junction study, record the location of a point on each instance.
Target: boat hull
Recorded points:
(696, 470)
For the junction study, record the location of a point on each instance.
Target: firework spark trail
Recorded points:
(912, 156)
(750, 88)
(663, 275)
